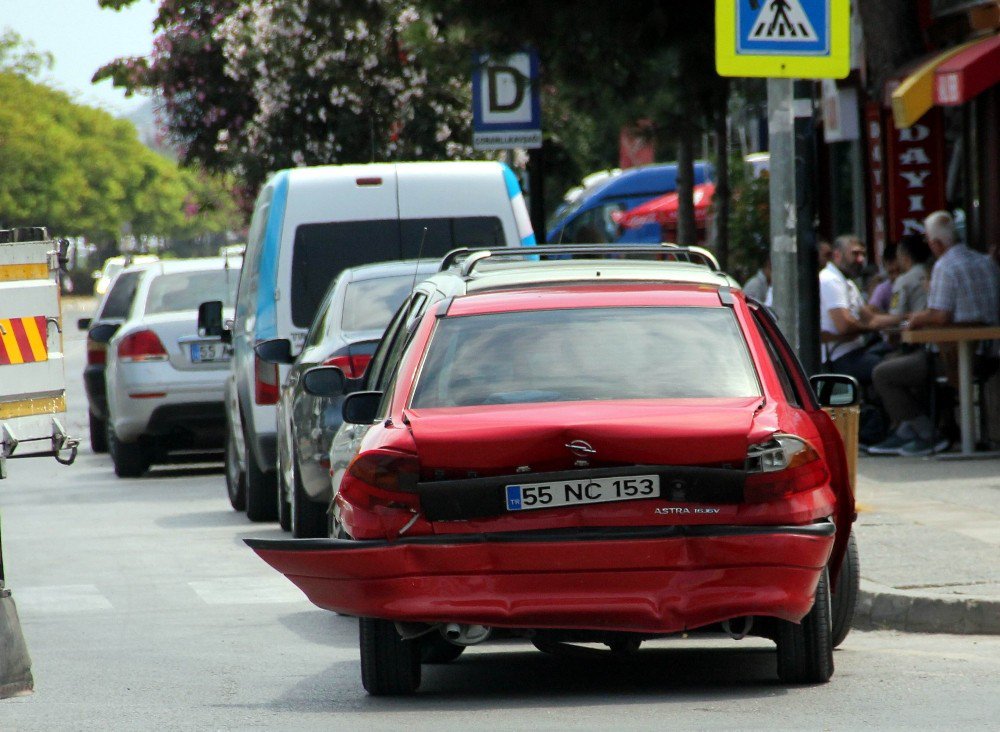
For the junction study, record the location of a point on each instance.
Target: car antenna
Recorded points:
(420, 251)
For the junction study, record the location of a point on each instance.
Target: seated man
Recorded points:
(965, 290)
(758, 285)
(880, 295)
(909, 288)
(843, 313)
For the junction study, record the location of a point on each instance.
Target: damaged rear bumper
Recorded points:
(647, 580)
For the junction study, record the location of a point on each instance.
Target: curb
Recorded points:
(881, 607)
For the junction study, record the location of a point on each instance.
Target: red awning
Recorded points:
(663, 210)
(968, 73)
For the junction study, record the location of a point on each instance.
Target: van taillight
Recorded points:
(143, 345)
(353, 366)
(97, 353)
(265, 382)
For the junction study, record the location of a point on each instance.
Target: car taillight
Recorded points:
(386, 469)
(143, 345)
(353, 366)
(382, 477)
(265, 382)
(97, 353)
(781, 466)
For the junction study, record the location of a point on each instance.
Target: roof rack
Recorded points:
(472, 257)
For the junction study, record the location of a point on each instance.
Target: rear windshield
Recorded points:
(370, 304)
(170, 293)
(120, 297)
(586, 354)
(323, 251)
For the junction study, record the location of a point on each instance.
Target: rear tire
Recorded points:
(262, 490)
(309, 520)
(390, 666)
(844, 599)
(805, 651)
(131, 459)
(98, 434)
(235, 478)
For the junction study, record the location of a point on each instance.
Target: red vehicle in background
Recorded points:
(591, 461)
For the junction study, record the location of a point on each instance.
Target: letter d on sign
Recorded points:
(506, 88)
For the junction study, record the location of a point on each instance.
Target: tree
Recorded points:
(81, 172)
(616, 62)
(254, 87)
(20, 56)
(885, 51)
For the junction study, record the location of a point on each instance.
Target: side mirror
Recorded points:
(96, 274)
(276, 350)
(210, 318)
(836, 390)
(324, 381)
(102, 333)
(361, 407)
(84, 323)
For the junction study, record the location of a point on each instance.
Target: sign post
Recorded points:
(506, 114)
(784, 40)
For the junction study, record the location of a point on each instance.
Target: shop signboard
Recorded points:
(635, 145)
(916, 172)
(877, 187)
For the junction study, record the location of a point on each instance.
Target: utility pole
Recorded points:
(794, 264)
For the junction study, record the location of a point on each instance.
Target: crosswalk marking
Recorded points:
(247, 591)
(60, 599)
(64, 599)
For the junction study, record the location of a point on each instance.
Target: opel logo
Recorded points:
(581, 448)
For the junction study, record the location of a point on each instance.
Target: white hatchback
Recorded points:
(165, 382)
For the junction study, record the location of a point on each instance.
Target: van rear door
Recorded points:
(335, 218)
(460, 203)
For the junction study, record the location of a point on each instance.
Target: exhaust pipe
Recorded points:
(738, 634)
(465, 635)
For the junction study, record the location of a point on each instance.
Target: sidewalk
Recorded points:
(929, 540)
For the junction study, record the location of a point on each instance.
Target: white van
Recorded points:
(308, 225)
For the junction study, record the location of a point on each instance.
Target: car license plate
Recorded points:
(208, 352)
(580, 492)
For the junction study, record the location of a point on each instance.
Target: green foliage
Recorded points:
(20, 56)
(605, 66)
(749, 219)
(249, 88)
(81, 172)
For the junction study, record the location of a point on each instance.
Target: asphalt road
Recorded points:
(143, 609)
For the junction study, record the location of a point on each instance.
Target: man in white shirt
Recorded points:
(842, 326)
(965, 290)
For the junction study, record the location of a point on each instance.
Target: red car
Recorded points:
(586, 462)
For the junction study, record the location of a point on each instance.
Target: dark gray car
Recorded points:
(349, 323)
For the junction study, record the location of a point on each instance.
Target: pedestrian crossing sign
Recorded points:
(806, 39)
